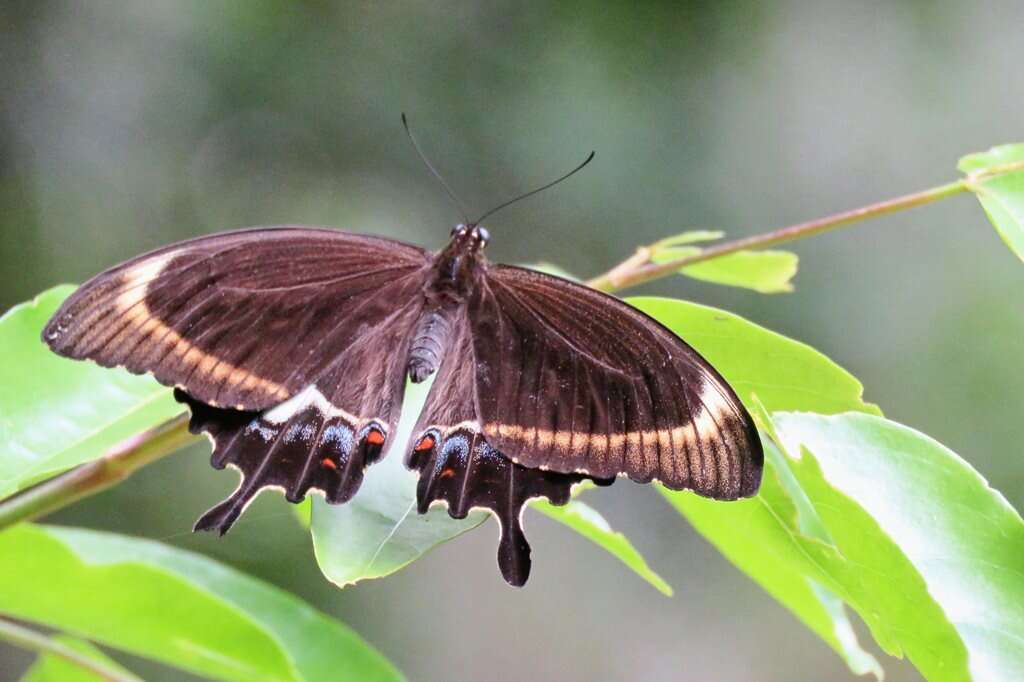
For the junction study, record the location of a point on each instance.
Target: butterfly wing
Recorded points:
(303, 331)
(457, 465)
(573, 380)
(323, 437)
(243, 319)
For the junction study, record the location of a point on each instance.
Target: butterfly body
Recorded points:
(291, 347)
(454, 273)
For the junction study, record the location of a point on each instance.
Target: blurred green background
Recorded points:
(124, 126)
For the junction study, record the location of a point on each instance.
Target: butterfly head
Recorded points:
(471, 236)
(458, 263)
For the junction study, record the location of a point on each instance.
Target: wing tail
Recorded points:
(459, 467)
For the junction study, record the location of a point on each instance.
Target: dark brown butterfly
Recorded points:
(292, 345)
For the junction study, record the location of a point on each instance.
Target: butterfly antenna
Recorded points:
(433, 171)
(535, 191)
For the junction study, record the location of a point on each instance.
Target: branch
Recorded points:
(638, 269)
(31, 640)
(117, 464)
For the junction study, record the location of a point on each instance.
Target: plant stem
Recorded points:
(117, 464)
(638, 270)
(25, 638)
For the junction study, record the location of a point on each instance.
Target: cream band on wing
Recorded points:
(580, 441)
(132, 305)
(312, 397)
(696, 439)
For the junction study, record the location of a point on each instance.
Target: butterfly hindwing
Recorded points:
(575, 380)
(311, 449)
(324, 436)
(241, 319)
(457, 465)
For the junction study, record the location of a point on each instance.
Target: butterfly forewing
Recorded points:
(574, 380)
(302, 333)
(242, 319)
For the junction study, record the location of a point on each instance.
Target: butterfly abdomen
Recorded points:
(454, 273)
(433, 331)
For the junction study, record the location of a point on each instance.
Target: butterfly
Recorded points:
(291, 347)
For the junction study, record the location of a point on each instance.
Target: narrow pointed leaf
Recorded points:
(690, 237)
(767, 272)
(586, 521)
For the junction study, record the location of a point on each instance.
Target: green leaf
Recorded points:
(767, 272)
(175, 607)
(590, 524)
(1001, 193)
(304, 512)
(684, 238)
(783, 373)
(892, 523)
(50, 668)
(751, 535)
(768, 369)
(57, 413)
(955, 595)
(378, 531)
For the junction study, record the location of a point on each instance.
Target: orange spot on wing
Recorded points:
(329, 463)
(375, 437)
(426, 443)
(447, 473)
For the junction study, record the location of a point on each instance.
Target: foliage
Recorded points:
(175, 607)
(589, 523)
(767, 272)
(86, 408)
(768, 369)
(378, 532)
(855, 510)
(957, 546)
(51, 668)
(1000, 194)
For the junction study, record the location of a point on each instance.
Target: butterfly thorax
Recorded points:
(455, 269)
